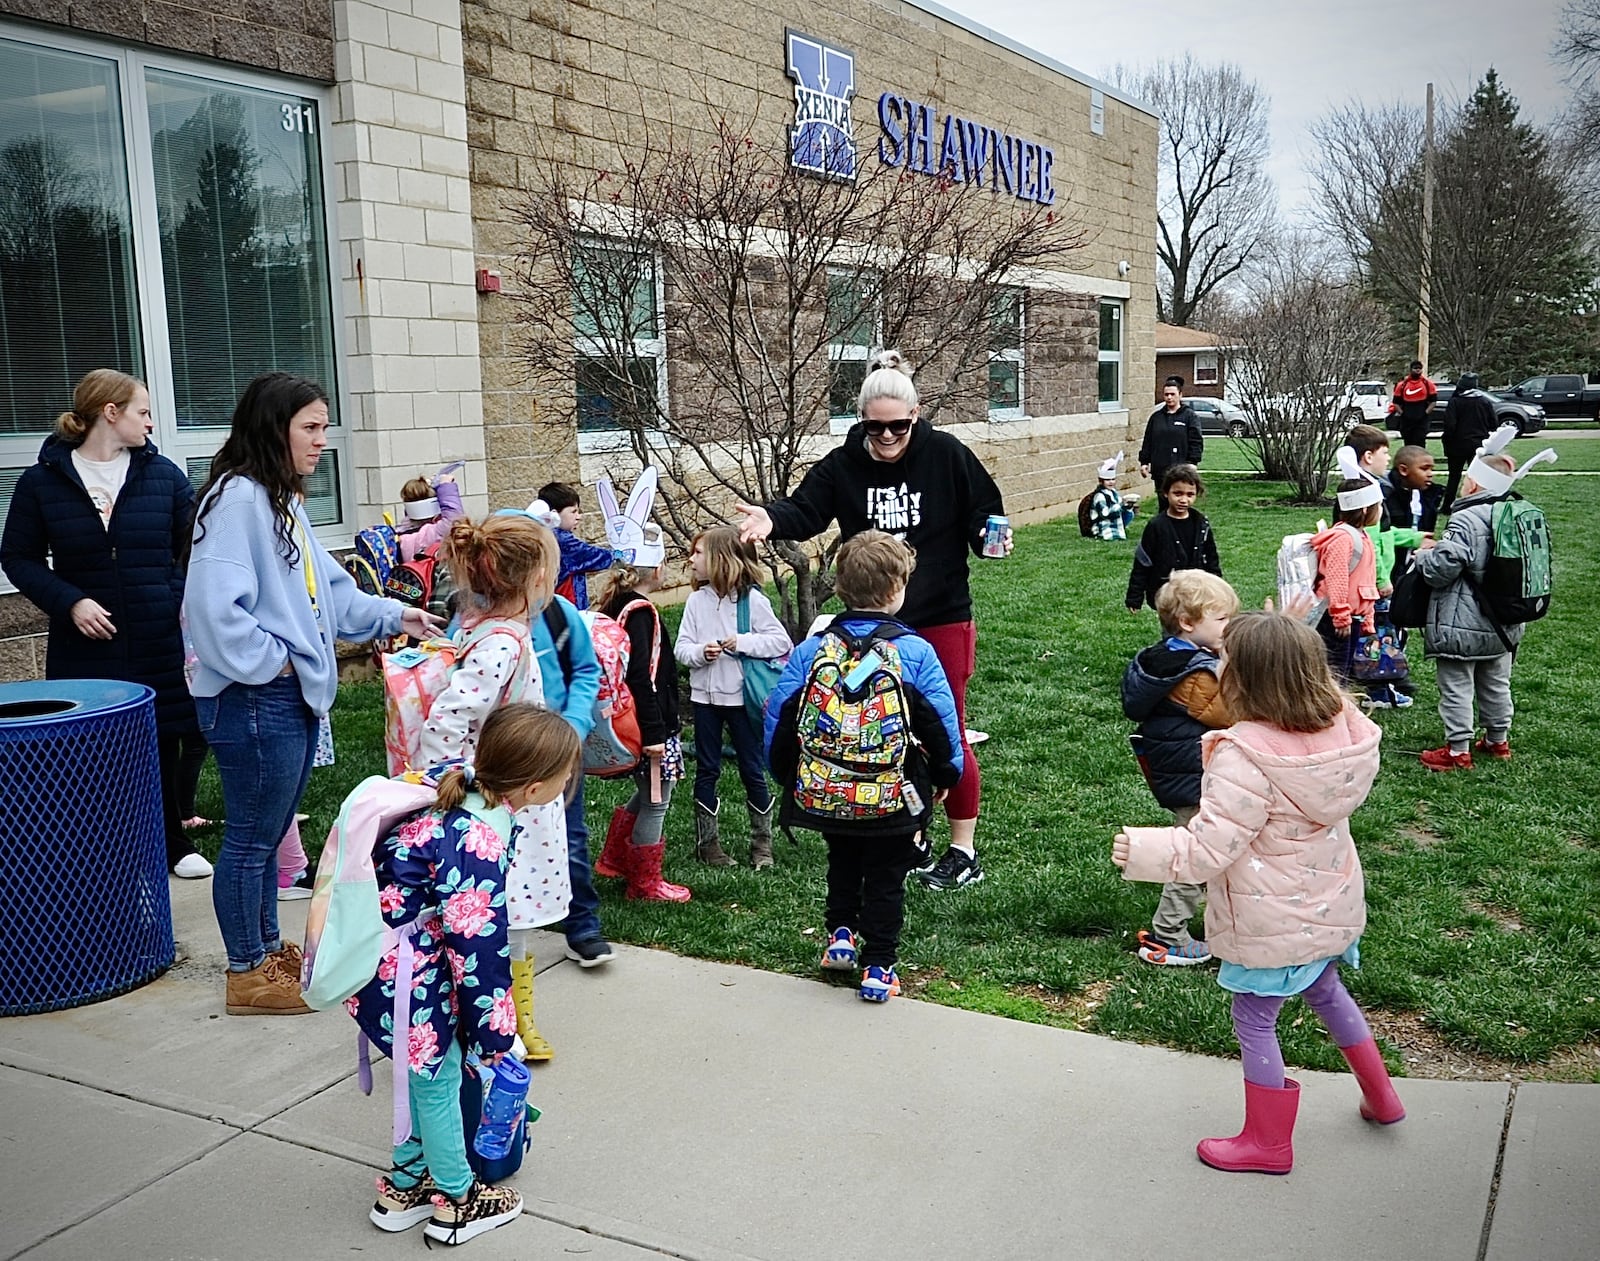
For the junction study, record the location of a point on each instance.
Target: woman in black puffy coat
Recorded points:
(95, 537)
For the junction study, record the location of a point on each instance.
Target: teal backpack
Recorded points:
(1516, 581)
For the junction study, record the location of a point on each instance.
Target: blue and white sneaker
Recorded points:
(1399, 699)
(879, 985)
(841, 954)
(1153, 950)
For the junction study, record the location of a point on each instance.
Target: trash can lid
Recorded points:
(55, 699)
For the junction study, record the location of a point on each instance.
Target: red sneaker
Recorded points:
(1444, 760)
(1501, 750)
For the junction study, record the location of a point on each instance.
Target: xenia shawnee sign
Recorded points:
(822, 138)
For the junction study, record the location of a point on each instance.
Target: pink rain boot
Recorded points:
(1264, 1145)
(614, 858)
(1378, 1101)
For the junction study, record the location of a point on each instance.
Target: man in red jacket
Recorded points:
(1412, 398)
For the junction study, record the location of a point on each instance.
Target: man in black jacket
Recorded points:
(1171, 435)
(1468, 419)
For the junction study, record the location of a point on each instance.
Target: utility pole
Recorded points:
(1423, 297)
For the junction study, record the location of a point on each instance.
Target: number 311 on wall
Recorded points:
(299, 118)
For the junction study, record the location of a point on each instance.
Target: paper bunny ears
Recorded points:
(634, 538)
(1363, 496)
(1496, 481)
(1108, 470)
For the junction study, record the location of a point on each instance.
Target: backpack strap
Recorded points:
(627, 611)
(555, 621)
(886, 629)
(1487, 609)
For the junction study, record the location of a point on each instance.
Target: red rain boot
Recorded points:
(1264, 1145)
(613, 860)
(1378, 1101)
(644, 876)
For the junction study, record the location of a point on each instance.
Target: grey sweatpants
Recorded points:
(1170, 924)
(1489, 681)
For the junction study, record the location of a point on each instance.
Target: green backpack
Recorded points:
(1516, 580)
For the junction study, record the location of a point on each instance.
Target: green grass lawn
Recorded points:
(1482, 953)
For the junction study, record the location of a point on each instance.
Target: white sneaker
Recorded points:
(192, 867)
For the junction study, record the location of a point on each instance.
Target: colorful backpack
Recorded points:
(411, 581)
(373, 556)
(854, 730)
(414, 678)
(614, 746)
(345, 932)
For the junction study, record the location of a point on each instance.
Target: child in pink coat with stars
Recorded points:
(1272, 844)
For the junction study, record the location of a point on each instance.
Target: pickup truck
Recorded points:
(1559, 395)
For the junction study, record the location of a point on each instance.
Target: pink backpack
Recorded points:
(614, 746)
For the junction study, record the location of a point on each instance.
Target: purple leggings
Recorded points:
(1255, 1024)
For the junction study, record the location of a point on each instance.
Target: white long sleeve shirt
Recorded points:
(709, 618)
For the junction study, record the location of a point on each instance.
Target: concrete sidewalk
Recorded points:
(701, 1111)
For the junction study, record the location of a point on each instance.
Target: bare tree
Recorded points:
(1578, 49)
(1507, 270)
(1215, 197)
(1303, 332)
(776, 284)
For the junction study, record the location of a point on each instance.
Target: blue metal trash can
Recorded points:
(84, 908)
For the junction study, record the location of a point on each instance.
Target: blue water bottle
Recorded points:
(505, 1101)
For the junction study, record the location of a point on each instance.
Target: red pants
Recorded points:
(956, 646)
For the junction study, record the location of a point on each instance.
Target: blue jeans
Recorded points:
(264, 739)
(583, 914)
(708, 723)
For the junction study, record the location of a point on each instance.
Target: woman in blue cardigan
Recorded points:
(265, 605)
(94, 538)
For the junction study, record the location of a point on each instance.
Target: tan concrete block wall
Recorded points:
(583, 82)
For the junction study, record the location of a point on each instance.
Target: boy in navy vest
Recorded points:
(1170, 689)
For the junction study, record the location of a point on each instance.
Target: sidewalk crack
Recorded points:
(1499, 1166)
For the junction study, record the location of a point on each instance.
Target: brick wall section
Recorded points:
(580, 79)
(399, 141)
(292, 36)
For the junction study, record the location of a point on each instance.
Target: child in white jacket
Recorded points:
(727, 619)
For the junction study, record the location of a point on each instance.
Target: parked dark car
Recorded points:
(1562, 394)
(1529, 418)
(1220, 416)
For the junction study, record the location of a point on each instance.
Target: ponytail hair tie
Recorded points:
(469, 774)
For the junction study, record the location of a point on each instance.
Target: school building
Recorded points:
(195, 191)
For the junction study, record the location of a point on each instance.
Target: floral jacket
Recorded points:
(446, 869)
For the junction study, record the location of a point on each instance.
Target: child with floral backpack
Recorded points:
(441, 882)
(505, 568)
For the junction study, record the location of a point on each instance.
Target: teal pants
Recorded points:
(438, 1143)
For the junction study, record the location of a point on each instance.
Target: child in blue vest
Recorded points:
(445, 869)
(1171, 690)
(869, 859)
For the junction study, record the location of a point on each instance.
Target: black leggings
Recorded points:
(192, 750)
(178, 843)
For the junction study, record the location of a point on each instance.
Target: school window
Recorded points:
(1110, 356)
(163, 221)
(1005, 355)
(852, 326)
(1205, 368)
(620, 347)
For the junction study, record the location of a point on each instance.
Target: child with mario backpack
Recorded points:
(507, 567)
(728, 633)
(442, 986)
(1172, 690)
(1272, 840)
(863, 738)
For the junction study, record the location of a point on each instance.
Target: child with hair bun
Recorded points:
(1272, 842)
(431, 508)
(711, 642)
(445, 869)
(506, 567)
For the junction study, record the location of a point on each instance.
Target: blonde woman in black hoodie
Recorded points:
(896, 473)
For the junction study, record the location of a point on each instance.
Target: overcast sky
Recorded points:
(1309, 57)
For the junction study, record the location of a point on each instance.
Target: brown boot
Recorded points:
(707, 843)
(268, 990)
(760, 836)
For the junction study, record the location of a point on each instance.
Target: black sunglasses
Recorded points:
(877, 428)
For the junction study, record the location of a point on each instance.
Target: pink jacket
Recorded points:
(1272, 840)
